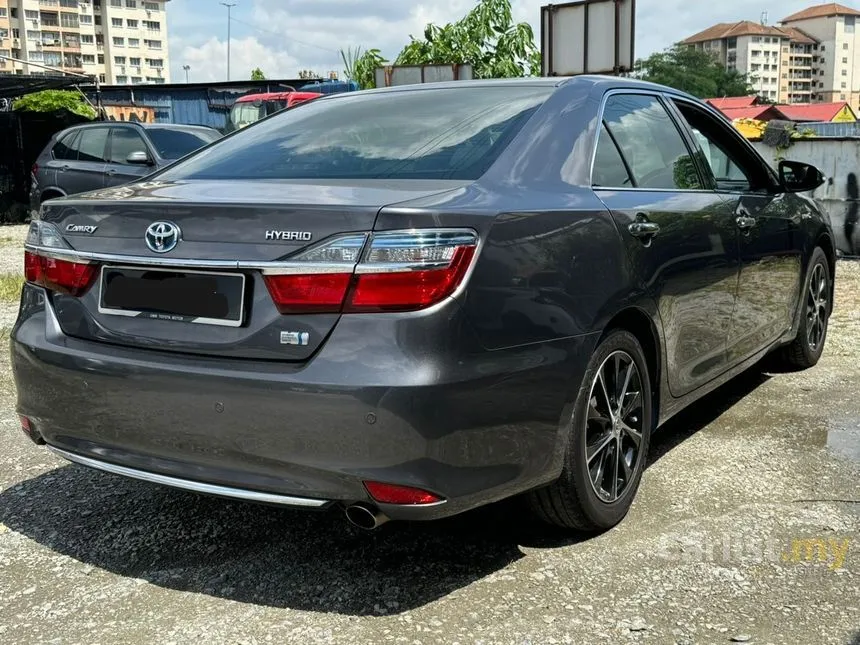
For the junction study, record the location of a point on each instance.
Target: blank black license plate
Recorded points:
(181, 296)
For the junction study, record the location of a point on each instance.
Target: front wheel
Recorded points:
(608, 445)
(806, 349)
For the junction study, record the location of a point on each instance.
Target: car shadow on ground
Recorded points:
(704, 412)
(275, 557)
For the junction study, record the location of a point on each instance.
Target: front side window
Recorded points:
(171, 143)
(734, 168)
(92, 145)
(453, 134)
(124, 141)
(650, 143)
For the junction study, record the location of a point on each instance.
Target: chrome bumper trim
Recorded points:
(186, 484)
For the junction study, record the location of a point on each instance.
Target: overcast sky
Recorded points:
(284, 36)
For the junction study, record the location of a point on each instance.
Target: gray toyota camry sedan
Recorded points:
(411, 302)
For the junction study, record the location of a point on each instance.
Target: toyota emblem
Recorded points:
(162, 237)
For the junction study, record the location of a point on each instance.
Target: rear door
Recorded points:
(769, 233)
(87, 171)
(124, 140)
(63, 154)
(681, 241)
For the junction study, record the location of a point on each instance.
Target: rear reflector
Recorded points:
(403, 495)
(62, 276)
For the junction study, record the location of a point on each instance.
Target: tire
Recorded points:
(582, 498)
(806, 349)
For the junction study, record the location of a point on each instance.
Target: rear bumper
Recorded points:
(472, 427)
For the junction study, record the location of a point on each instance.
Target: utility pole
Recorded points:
(229, 6)
(186, 68)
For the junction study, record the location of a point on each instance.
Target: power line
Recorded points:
(281, 34)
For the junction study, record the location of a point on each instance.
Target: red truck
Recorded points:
(253, 107)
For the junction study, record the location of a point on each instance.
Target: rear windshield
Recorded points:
(175, 144)
(429, 134)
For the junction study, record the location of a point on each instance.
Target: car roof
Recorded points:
(584, 82)
(145, 126)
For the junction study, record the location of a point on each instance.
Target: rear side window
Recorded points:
(92, 145)
(414, 134)
(650, 142)
(609, 167)
(124, 141)
(65, 148)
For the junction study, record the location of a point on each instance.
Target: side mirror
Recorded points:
(139, 158)
(797, 177)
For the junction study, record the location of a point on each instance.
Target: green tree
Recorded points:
(487, 37)
(361, 65)
(693, 71)
(257, 75)
(51, 100)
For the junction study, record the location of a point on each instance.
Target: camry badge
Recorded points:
(80, 228)
(162, 237)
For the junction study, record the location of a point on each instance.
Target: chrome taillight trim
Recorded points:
(442, 236)
(267, 268)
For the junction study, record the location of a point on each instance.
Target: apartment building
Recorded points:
(837, 69)
(120, 41)
(811, 56)
(751, 48)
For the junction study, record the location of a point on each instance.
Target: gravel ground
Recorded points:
(11, 262)
(712, 552)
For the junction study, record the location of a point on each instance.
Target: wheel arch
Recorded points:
(637, 321)
(825, 241)
(51, 192)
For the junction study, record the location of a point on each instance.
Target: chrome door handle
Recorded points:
(745, 223)
(643, 229)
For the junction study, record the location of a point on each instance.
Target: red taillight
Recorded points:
(404, 495)
(35, 169)
(315, 293)
(392, 271)
(62, 276)
(405, 290)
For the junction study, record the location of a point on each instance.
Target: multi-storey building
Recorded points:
(812, 56)
(120, 41)
(749, 47)
(835, 28)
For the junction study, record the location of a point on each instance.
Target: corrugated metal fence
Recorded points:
(198, 104)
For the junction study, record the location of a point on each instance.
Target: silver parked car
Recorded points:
(104, 154)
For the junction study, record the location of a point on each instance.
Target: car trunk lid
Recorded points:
(228, 234)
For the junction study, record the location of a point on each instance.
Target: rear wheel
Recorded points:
(609, 439)
(806, 349)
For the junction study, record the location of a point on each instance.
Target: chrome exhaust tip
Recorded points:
(365, 517)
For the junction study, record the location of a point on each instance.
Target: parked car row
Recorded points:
(104, 154)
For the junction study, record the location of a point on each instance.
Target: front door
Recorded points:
(681, 240)
(124, 141)
(769, 225)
